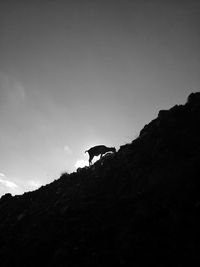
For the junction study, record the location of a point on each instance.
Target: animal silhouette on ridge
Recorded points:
(99, 150)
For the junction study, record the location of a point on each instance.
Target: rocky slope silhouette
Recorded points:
(137, 207)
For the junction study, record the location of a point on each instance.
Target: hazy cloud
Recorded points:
(8, 184)
(12, 91)
(34, 184)
(67, 149)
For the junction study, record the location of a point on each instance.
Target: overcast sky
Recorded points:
(78, 73)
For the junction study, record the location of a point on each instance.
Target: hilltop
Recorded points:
(139, 206)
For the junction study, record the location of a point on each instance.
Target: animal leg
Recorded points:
(90, 161)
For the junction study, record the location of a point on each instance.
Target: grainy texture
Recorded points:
(139, 206)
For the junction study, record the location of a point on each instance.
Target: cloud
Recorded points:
(12, 92)
(67, 149)
(8, 184)
(34, 184)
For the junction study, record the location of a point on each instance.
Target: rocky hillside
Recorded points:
(137, 207)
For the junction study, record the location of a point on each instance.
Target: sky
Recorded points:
(78, 73)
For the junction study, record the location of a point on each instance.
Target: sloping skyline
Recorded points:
(74, 74)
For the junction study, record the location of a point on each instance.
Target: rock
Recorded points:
(5, 197)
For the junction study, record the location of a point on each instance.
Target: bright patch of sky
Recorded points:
(81, 163)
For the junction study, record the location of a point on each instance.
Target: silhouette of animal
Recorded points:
(98, 150)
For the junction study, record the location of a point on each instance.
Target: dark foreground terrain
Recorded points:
(137, 207)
